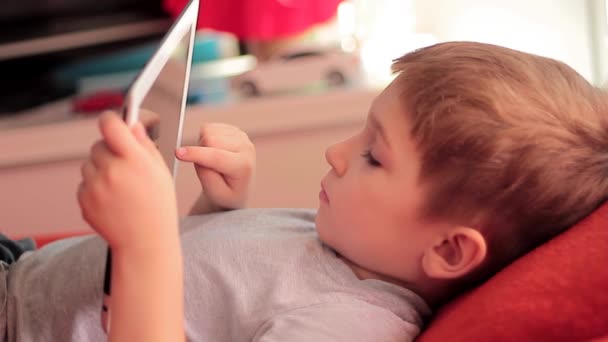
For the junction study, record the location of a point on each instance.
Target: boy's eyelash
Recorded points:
(370, 158)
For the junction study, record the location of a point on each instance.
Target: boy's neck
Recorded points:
(360, 272)
(363, 273)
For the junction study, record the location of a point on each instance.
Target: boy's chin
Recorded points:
(317, 223)
(321, 228)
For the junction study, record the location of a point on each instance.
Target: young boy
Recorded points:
(472, 156)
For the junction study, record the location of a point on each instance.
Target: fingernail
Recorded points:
(181, 151)
(138, 130)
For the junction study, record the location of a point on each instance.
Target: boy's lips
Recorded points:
(323, 195)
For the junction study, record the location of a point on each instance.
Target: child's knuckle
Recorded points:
(95, 195)
(209, 140)
(112, 177)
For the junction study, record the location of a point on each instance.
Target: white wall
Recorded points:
(599, 27)
(559, 29)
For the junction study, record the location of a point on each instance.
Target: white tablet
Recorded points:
(162, 86)
(158, 96)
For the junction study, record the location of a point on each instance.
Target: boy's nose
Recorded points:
(335, 157)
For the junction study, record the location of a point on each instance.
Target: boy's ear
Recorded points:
(454, 254)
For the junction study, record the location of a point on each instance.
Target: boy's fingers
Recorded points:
(217, 127)
(100, 155)
(116, 133)
(222, 161)
(214, 183)
(80, 196)
(213, 176)
(88, 171)
(232, 143)
(216, 134)
(139, 132)
(148, 118)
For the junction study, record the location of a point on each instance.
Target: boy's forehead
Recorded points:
(387, 106)
(388, 117)
(389, 96)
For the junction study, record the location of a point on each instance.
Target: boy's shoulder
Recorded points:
(352, 320)
(285, 217)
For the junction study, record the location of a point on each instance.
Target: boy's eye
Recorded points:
(370, 158)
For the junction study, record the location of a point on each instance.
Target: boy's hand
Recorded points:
(127, 193)
(224, 163)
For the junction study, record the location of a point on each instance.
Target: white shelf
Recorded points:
(40, 165)
(71, 139)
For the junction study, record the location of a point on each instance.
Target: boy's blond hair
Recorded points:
(513, 144)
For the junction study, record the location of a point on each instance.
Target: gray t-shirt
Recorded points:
(250, 275)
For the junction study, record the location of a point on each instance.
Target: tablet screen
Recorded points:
(163, 103)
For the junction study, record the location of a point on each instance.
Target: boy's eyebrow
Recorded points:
(381, 130)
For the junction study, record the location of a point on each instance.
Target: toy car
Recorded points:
(295, 69)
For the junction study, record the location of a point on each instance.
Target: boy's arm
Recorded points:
(147, 293)
(141, 230)
(224, 162)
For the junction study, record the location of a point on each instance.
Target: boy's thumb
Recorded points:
(140, 134)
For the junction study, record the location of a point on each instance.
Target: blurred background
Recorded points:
(61, 58)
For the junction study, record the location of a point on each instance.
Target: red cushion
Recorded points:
(557, 292)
